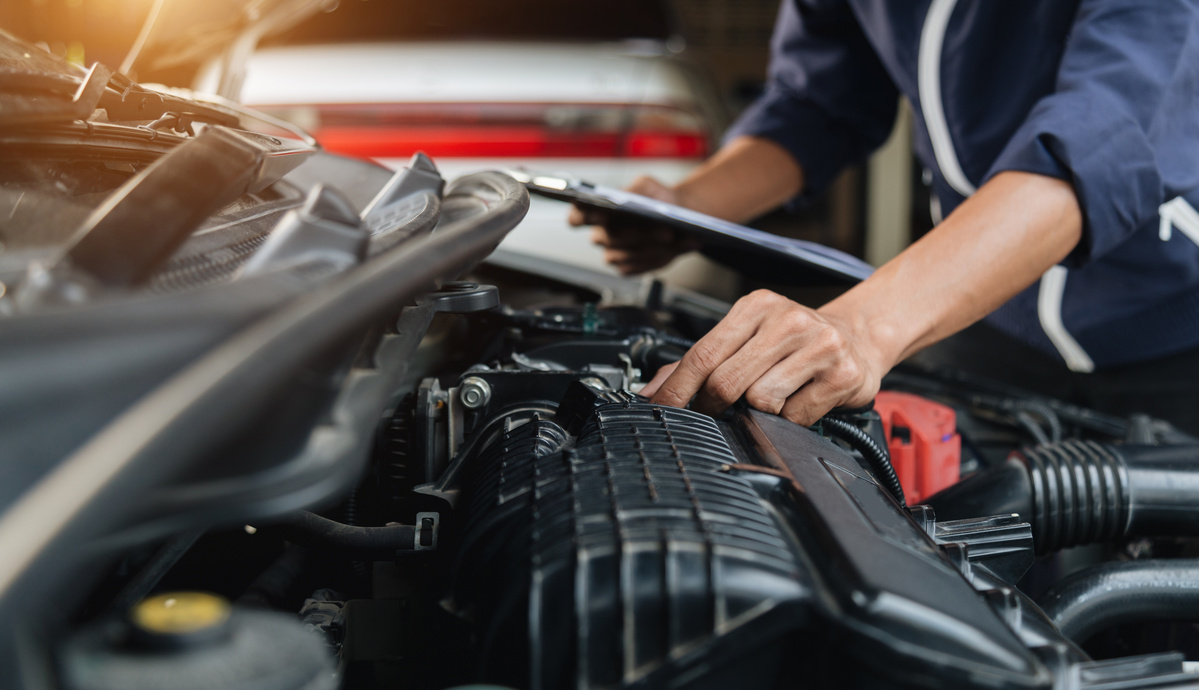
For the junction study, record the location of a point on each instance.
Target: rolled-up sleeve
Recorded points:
(828, 100)
(1123, 122)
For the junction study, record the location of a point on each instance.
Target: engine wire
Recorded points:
(876, 455)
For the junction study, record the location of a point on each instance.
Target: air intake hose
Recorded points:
(1082, 492)
(1094, 599)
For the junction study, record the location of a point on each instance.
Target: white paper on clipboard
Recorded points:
(807, 255)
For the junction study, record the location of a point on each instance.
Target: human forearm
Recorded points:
(800, 363)
(994, 245)
(746, 178)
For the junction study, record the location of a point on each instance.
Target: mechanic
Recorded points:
(1064, 143)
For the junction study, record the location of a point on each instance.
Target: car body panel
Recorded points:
(638, 72)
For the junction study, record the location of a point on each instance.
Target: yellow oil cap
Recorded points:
(181, 613)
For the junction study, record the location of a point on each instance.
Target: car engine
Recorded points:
(528, 521)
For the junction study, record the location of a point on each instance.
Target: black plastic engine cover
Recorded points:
(634, 557)
(625, 544)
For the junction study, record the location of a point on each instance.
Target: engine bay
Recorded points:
(320, 433)
(528, 521)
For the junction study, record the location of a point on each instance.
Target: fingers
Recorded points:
(783, 358)
(838, 378)
(713, 350)
(633, 237)
(658, 239)
(634, 263)
(786, 350)
(633, 249)
(576, 217)
(771, 391)
(587, 216)
(810, 403)
(648, 186)
(760, 362)
(656, 382)
(644, 185)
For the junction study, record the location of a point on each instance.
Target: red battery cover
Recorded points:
(926, 449)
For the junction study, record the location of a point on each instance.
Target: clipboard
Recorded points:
(772, 254)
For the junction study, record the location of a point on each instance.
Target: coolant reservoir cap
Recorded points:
(182, 615)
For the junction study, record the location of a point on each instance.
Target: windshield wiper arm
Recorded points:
(127, 100)
(64, 98)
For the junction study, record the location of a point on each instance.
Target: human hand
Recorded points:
(636, 247)
(783, 357)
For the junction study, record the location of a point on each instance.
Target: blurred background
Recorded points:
(604, 91)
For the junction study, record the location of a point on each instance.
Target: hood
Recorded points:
(186, 33)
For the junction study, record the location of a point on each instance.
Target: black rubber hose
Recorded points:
(366, 543)
(271, 587)
(146, 579)
(1099, 597)
(652, 358)
(676, 340)
(1082, 492)
(1044, 412)
(876, 455)
(1001, 489)
(1026, 421)
(349, 514)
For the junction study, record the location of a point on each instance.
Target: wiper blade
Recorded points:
(141, 225)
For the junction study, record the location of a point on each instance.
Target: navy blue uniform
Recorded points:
(1103, 93)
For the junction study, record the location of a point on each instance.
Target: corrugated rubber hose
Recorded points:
(876, 455)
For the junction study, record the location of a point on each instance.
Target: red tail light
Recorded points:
(666, 145)
(503, 130)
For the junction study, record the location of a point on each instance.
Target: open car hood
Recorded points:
(189, 32)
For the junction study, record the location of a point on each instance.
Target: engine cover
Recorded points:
(634, 556)
(626, 544)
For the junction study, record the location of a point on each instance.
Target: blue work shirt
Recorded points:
(1102, 93)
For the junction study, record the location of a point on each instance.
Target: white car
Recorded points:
(604, 102)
